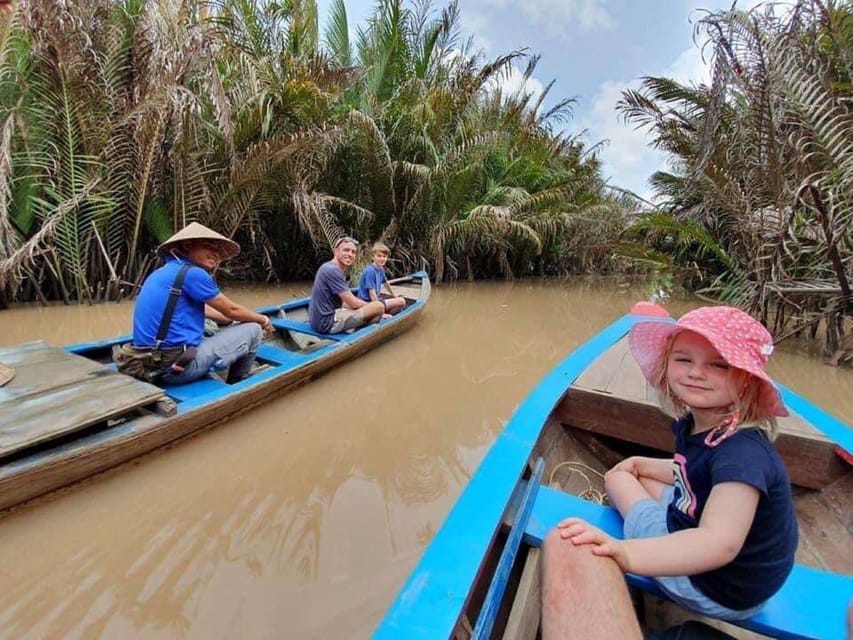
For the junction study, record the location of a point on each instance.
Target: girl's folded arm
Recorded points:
(659, 469)
(714, 543)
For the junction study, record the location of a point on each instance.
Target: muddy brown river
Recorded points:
(302, 518)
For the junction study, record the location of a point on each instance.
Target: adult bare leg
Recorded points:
(583, 596)
(372, 312)
(395, 304)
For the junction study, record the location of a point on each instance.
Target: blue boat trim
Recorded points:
(494, 597)
(840, 433)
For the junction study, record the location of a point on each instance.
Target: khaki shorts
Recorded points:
(347, 320)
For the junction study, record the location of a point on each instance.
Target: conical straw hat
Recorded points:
(6, 373)
(196, 231)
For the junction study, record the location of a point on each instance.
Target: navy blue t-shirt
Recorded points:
(187, 326)
(767, 556)
(329, 284)
(372, 278)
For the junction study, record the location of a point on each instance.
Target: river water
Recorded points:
(302, 518)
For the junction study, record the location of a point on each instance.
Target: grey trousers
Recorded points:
(233, 347)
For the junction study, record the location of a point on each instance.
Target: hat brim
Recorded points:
(648, 341)
(195, 232)
(227, 248)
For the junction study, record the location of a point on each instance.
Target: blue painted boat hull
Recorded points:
(201, 404)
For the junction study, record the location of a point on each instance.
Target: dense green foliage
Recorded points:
(758, 211)
(122, 120)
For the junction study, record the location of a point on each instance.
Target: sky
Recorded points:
(593, 50)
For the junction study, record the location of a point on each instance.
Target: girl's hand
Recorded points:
(581, 532)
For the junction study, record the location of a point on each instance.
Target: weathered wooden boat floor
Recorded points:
(55, 393)
(808, 454)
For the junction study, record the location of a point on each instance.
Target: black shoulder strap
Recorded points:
(174, 294)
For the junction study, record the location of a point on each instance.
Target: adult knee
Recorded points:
(566, 557)
(251, 332)
(554, 547)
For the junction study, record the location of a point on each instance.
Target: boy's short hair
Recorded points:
(380, 247)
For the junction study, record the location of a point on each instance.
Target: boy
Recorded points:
(370, 285)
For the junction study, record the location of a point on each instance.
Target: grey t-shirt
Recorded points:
(329, 283)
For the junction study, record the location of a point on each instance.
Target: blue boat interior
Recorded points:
(294, 344)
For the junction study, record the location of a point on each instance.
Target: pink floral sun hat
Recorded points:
(740, 339)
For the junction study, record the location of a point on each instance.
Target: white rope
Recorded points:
(590, 493)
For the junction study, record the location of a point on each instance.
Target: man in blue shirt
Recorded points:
(373, 278)
(333, 307)
(201, 249)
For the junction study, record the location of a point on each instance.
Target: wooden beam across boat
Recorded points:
(56, 393)
(629, 412)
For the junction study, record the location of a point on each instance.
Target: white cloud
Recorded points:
(513, 83)
(689, 67)
(476, 24)
(628, 159)
(560, 17)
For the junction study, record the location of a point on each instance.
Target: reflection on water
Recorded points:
(301, 518)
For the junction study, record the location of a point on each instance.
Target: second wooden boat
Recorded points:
(479, 577)
(67, 414)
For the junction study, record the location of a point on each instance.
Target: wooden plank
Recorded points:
(523, 622)
(599, 374)
(616, 372)
(824, 535)
(810, 458)
(40, 417)
(39, 368)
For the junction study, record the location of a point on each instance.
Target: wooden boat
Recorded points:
(67, 414)
(479, 577)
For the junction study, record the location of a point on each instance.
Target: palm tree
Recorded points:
(764, 159)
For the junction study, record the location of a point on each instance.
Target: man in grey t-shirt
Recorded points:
(325, 311)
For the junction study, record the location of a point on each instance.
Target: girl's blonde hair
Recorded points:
(745, 389)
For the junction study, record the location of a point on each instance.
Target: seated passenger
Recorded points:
(173, 350)
(370, 285)
(333, 308)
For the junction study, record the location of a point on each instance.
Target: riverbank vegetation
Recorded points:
(124, 119)
(758, 209)
(127, 118)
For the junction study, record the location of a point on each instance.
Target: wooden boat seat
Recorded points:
(811, 604)
(302, 327)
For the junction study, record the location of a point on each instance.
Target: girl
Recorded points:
(715, 525)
